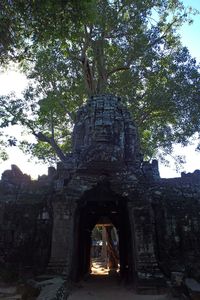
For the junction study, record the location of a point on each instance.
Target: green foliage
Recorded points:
(5, 141)
(3, 154)
(73, 49)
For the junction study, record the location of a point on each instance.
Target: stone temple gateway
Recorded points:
(102, 177)
(45, 226)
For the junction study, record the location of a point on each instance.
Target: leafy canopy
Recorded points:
(71, 50)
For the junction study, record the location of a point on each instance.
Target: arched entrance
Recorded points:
(97, 204)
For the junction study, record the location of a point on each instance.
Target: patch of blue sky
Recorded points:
(190, 34)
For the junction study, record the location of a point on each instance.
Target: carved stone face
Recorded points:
(105, 132)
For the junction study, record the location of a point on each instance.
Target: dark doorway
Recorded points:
(98, 204)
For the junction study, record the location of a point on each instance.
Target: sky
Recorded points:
(14, 81)
(190, 33)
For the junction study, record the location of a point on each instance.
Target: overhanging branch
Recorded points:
(51, 141)
(115, 70)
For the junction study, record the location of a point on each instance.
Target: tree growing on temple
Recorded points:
(75, 49)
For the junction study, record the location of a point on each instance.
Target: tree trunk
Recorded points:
(112, 253)
(104, 255)
(89, 77)
(98, 48)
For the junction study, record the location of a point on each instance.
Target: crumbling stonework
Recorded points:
(176, 204)
(25, 223)
(50, 221)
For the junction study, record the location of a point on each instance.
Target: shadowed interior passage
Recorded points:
(112, 249)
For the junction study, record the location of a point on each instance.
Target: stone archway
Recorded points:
(101, 202)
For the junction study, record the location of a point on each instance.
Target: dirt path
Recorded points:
(108, 288)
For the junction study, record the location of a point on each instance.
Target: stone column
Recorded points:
(146, 264)
(61, 237)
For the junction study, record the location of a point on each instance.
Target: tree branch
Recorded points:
(123, 68)
(39, 135)
(52, 124)
(164, 33)
(62, 104)
(51, 141)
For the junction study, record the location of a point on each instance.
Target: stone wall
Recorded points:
(176, 207)
(25, 223)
